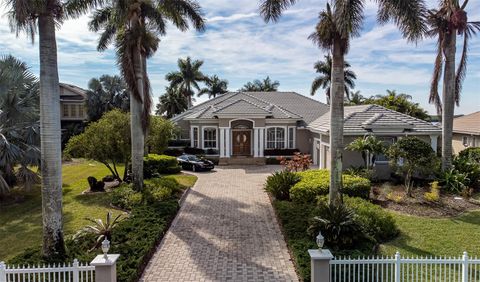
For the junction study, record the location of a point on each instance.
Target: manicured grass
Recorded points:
(21, 224)
(436, 237)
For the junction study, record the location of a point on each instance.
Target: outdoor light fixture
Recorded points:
(105, 247)
(320, 240)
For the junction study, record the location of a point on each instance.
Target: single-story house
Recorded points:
(466, 132)
(241, 127)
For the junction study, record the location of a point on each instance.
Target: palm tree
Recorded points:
(135, 27)
(356, 98)
(106, 93)
(44, 16)
(333, 33)
(19, 125)
(399, 102)
(264, 85)
(324, 68)
(215, 86)
(187, 78)
(172, 103)
(445, 23)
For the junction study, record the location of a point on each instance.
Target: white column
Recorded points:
(222, 142)
(255, 142)
(320, 265)
(434, 142)
(227, 142)
(261, 138)
(105, 268)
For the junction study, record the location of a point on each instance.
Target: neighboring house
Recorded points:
(253, 125)
(466, 132)
(72, 105)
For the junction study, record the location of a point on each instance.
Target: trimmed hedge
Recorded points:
(193, 151)
(280, 152)
(159, 164)
(315, 183)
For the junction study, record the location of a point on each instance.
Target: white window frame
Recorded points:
(216, 137)
(192, 136)
(294, 141)
(285, 137)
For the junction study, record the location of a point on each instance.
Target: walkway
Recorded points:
(226, 230)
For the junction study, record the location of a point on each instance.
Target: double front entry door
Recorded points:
(241, 142)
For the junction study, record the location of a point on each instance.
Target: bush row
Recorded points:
(155, 165)
(314, 183)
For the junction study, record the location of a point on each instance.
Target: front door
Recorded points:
(241, 142)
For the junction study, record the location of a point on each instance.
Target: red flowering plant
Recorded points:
(299, 162)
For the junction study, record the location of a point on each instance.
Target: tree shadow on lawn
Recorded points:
(472, 217)
(402, 243)
(237, 245)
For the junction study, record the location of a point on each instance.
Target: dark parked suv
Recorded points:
(194, 163)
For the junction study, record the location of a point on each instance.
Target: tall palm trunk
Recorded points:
(137, 133)
(336, 125)
(51, 158)
(448, 97)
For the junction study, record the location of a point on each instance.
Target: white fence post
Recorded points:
(398, 266)
(320, 265)
(105, 267)
(3, 272)
(465, 267)
(75, 271)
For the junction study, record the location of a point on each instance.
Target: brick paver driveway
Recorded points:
(226, 230)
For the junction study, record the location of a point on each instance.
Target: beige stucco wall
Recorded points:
(304, 141)
(457, 142)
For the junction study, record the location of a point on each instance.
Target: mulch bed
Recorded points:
(393, 197)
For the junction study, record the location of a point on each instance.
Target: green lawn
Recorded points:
(436, 237)
(21, 224)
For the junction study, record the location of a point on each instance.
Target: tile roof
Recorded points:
(280, 105)
(365, 118)
(469, 124)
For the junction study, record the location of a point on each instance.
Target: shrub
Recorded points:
(159, 164)
(280, 183)
(415, 155)
(193, 151)
(299, 162)
(378, 223)
(468, 166)
(434, 194)
(174, 152)
(178, 143)
(125, 197)
(472, 153)
(454, 181)
(339, 225)
(161, 189)
(317, 182)
(280, 152)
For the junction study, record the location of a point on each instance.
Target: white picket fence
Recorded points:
(399, 269)
(74, 272)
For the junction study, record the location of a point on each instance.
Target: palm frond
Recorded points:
(434, 97)
(271, 10)
(408, 15)
(348, 17)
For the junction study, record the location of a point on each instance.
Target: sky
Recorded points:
(239, 46)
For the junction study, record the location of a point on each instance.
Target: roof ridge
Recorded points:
(237, 101)
(407, 116)
(373, 119)
(285, 111)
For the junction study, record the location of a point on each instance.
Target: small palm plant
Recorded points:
(339, 225)
(103, 230)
